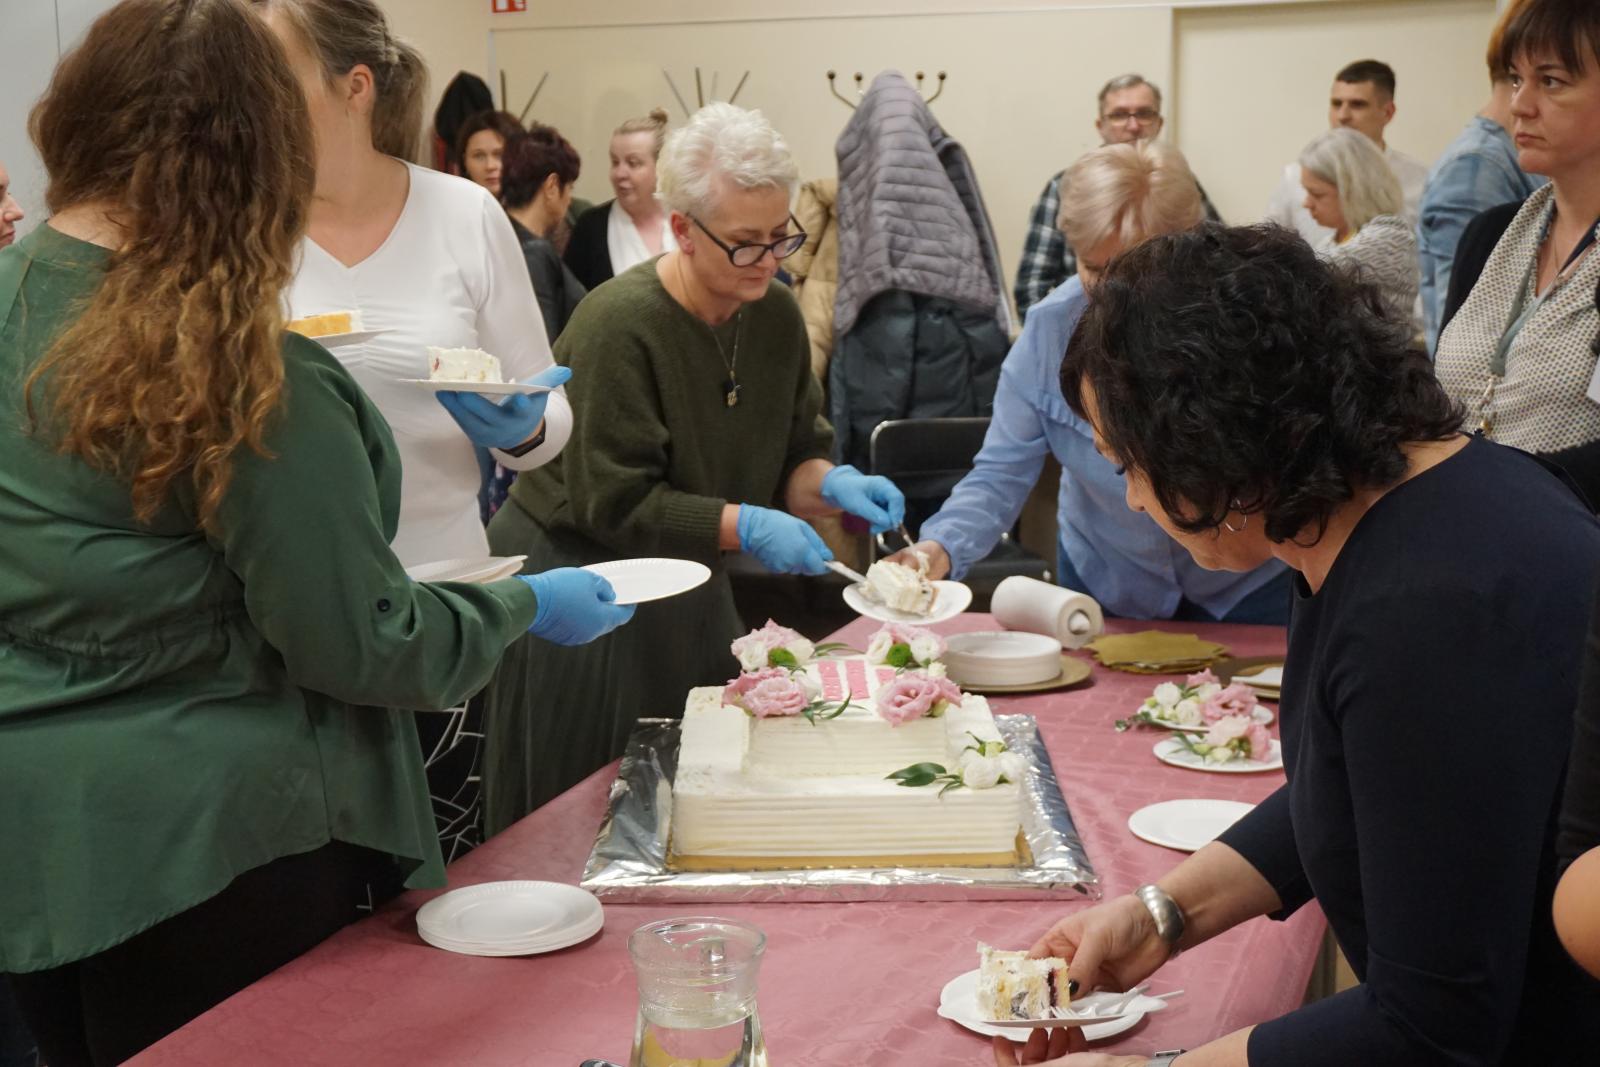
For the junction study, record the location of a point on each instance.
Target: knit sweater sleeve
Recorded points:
(616, 467)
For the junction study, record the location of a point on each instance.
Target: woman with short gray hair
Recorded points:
(695, 413)
(1351, 190)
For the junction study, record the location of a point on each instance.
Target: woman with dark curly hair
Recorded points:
(1265, 406)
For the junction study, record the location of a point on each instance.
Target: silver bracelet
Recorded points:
(1166, 913)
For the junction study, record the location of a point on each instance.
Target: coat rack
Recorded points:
(860, 80)
(505, 100)
(700, 95)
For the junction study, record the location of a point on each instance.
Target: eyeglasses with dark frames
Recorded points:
(753, 252)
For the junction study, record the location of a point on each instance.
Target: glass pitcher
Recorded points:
(697, 994)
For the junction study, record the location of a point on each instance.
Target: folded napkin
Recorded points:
(1156, 652)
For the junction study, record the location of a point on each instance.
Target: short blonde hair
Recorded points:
(1353, 164)
(1128, 191)
(721, 139)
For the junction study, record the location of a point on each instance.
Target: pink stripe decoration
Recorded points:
(855, 671)
(832, 686)
(884, 674)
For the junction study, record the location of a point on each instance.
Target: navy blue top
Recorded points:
(1426, 717)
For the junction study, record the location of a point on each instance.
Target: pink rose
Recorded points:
(1260, 742)
(1236, 699)
(1226, 729)
(754, 648)
(1205, 677)
(767, 693)
(913, 694)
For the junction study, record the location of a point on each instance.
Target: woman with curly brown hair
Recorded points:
(200, 614)
(1266, 405)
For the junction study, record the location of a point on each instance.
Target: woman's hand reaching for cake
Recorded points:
(933, 552)
(781, 542)
(1113, 945)
(871, 497)
(506, 425)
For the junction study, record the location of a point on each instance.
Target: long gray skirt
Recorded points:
(554, 715)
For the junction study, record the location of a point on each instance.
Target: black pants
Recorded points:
(103, 1009)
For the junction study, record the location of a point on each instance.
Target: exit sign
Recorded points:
(507, 7)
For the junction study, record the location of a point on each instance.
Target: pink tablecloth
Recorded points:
(842, 983)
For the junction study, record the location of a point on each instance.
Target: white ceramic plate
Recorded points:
(354, 337)
(1265, 678)
(484, 388)
(510, 918)
(958, 1002)
(653, 578)
(1260, 714)
(476, 571)
(1186, 825)
(1172, 751)
(952, 600)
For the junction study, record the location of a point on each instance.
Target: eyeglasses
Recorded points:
(1146, 115)
(748, 255)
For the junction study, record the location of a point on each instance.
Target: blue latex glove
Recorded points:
(575, 606)
(872, 497)
(781, 542)
(504, 425)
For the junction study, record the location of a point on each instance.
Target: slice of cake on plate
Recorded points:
(902, 588)
(1011, 986)
(462, 365)
(328, 324)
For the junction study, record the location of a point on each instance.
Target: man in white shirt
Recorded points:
(1363, 99)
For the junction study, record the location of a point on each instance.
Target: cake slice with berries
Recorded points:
(1012, 986)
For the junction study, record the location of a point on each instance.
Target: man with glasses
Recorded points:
(1130, 110)
(1363, 99)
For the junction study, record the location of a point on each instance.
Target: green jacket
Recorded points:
(176, 709)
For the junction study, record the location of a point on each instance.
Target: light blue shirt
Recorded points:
(1129, 563)
(1478, 171)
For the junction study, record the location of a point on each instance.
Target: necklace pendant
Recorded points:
(730, 393)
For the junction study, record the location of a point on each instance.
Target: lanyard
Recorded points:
(1522, 311)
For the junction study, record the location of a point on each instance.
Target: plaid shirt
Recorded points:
(1047, 259)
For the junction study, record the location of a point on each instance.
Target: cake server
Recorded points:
(839, 568)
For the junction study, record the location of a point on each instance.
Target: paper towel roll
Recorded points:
(1070, 617)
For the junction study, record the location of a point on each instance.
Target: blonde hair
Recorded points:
(185, 118)
(344, 33)
(1354, 165)
(654, 124)
(1128, 191)
(722, 139)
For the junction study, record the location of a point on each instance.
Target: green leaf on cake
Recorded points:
(918, 774)
(952, 782)
(782, 657)
(898, 656)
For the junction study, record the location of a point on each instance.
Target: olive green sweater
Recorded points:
(656, 451)
(178, 708)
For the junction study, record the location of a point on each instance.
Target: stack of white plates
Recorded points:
(510, 918)
(476, 571)
(1002, 657)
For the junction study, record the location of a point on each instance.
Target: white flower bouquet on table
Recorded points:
(1199, 702)
(1232, 737)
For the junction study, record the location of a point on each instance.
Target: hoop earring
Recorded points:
(1244, 520)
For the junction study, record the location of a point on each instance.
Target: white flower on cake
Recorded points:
(772, 646)
(983, 764)
(899, 587)
(462, 365)
(1200, 700)
(900, 645)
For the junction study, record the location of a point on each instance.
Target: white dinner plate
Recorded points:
(510, 918)
(1265, 678)
(958, 1002)
(652, 578)
(1260, 714)
(477, 570)
(484, 388)
(1186, 825)
(952, 600)
(1172, 751)
(1002, 657)
(354, 337)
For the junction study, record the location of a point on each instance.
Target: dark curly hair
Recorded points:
(1238, 371)
(532, 157)
(501, 122)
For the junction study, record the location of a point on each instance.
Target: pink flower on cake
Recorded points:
(768, 693)
(1236, 699)
(919, 647)
(913, 694)
(772, 646)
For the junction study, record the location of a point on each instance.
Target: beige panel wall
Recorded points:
(1252, 85)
